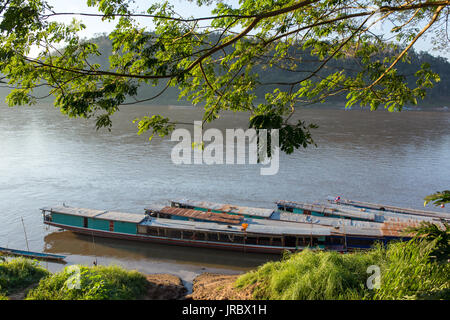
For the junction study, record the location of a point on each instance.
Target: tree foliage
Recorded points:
(221, 72)
(436, 238)
(438, 198)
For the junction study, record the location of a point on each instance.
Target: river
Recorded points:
(47, 159)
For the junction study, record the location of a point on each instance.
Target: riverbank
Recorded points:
(24, 279)
(207, 286)
(211, 286)
(160, 287)
(417, 269)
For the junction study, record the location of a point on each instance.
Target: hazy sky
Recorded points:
(184, 8)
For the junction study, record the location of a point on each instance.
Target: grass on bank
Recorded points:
(19, 273)
(408, 270)
(412, 271)
(91, 283)
(72, 283)
(311, 275)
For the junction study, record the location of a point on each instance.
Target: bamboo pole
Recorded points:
(25, 232)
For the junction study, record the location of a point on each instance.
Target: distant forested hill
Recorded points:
(438, 96)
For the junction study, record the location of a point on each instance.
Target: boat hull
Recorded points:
(32, 255)
(178, 242)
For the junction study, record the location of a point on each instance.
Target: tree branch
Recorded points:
(433, 19)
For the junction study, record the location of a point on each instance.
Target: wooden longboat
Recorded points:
(261, 236)
(32, 254)
(317, 210)
(380, 207)
(356, 214)
(220, 226)
(344, 233)
(357, 229)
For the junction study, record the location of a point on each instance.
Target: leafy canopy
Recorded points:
(217, 60)
(438, 198)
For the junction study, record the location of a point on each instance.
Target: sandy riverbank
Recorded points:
(211, 286)
(165, 287)
(206, 286)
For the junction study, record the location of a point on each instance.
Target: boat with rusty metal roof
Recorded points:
(346, 233)
(247, 212)
(291, 226)
(187, 227)
(358, 228)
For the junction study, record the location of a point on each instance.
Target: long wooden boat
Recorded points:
(352, 229)
(344, 235)
(32, 255)
(316, 210)
(309, 213)
(357, 214)
(294, 226)
(257, 237)
(192, 229)
(381, 207)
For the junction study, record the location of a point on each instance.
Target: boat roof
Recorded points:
(359, 213)
(295, 217)
(74, 211)
(379, 207)
(353, 227)
(202, 215)
(389, 215)
(249, 211)
(98, 214)
(122, 216)
(261, 227)
(327, 209)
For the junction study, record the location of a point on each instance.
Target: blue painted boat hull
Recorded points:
(31, 254)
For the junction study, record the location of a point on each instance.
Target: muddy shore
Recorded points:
(206, 286)
(212, 286)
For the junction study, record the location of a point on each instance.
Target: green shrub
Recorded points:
(410, 271)
(313, 275)
(19, 273)
(417, 269)
(94, 283)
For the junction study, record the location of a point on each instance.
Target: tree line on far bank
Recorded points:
(437, 97)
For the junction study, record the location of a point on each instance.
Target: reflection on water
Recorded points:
(67, 242)
(184, 262)
(47, 159)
